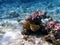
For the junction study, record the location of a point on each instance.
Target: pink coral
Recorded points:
(50, 24)
(35, 14)
(56, 27)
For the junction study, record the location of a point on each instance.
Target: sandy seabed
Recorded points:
(12, 35)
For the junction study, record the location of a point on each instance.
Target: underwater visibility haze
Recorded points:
(12, 11)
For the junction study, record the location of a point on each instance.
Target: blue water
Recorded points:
(27, 6)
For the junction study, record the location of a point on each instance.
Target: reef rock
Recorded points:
(51, 29)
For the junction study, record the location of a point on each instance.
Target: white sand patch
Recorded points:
(13, 36)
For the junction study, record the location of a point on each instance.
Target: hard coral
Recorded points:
(37, 14)
(33, 22)
(34, 27)
(26, 25)
(56, 27)
(50, 25)
(57, 31)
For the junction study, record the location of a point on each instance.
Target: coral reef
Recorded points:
(34, 25)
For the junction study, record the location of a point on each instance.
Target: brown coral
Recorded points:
(26, 25)
(34, 27)
(30, 26)
(33, 22)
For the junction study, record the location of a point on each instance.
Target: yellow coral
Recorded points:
(30, 26)
(34, 27)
